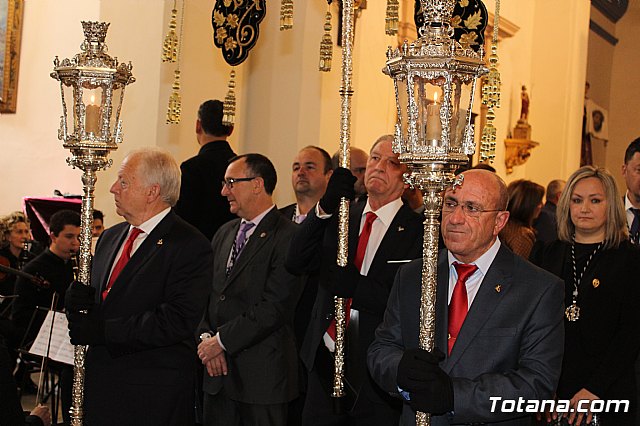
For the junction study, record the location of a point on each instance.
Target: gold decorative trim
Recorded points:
(13, 36)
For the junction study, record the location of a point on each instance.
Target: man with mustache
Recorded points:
(498, 329)
(383, 233)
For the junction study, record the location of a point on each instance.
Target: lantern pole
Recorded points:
(346, 92)
(90, 133)
(433, 137)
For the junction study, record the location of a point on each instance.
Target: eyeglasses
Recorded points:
(230, 181)
(469, 209)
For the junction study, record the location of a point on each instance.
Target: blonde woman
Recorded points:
(602, 295)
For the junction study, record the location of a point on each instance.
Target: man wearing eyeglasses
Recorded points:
(383, 233)
(247, 341)
(499, 326)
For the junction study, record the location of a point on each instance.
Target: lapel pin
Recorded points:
(498, 288)
(400, 229)
(264, 234)
(159, 242)
(595, 283)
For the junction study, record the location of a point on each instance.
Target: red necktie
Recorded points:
(363, 240)
(122, 261)
(459, 304)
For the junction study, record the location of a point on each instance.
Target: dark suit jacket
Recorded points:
(510, 344)
(252, 309)
(546, 225)
(144, 374)
(603, 344)
(314, 249)
(200, 202)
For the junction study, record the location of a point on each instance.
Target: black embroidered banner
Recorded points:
(469, 19)
(235, 27)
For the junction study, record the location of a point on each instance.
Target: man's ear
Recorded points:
(258, 184)
(501, 220)
(153, 192)
(198, 126)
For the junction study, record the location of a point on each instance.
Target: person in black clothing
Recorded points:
(55, 266)
(598, 264)
(14, 232)
(11, 413)
(200, 202)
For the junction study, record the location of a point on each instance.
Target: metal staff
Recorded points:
(343, 213)
(94, 83)
(434, 79)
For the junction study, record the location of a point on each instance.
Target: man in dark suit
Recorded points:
(631, 174)
(546, 224)
(310, 175)
(509, 344)
(394, 236)
(151, 277)
(247, 342)
(200, 202)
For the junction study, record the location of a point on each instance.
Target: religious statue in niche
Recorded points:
(524, 111)
(523, 128)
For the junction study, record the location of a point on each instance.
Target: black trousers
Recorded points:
(220, 410)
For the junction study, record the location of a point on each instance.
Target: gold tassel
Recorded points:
(286, 15)
(391, 19)
(170, 45)
(229, 106)
(491, 95)
(175, 102)
(326, 45)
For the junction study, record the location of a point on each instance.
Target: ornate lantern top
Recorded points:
(93, 83)
(434, 79)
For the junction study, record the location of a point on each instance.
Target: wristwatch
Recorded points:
(204, 336)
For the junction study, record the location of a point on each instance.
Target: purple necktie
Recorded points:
(238, 244)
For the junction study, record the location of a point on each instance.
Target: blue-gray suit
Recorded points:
(510, 345)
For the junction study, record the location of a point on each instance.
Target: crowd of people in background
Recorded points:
(209, 305)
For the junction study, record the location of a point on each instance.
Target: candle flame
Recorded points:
(435, 96)
(93, 99)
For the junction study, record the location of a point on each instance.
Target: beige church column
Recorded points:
(281, 92)
(558, 72)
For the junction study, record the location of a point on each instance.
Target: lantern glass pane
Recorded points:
(93, 100)
(68, 107)
(403, 108)
(460, 102)
(428, 101)
(114, 107)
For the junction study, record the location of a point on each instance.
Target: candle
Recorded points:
(92, 118)
(434, 125)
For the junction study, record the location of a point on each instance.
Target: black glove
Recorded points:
(86, 329)
(429, 387)
(79, 297)
(344, 279)
(340, 185)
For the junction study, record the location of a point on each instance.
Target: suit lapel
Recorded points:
(110, 254)
(442, 303)
(146, 251)
(394, 236)
(260, 236)
(485, 302)
(355, 217)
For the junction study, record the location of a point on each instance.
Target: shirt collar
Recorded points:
(150, 224)
(256, 220)
(385, 213)
(483, 262)
(627, 202)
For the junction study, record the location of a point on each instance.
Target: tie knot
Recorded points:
(134, 233)
(245, 226)
(464, 270)
(371, 216)
(636, 212)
